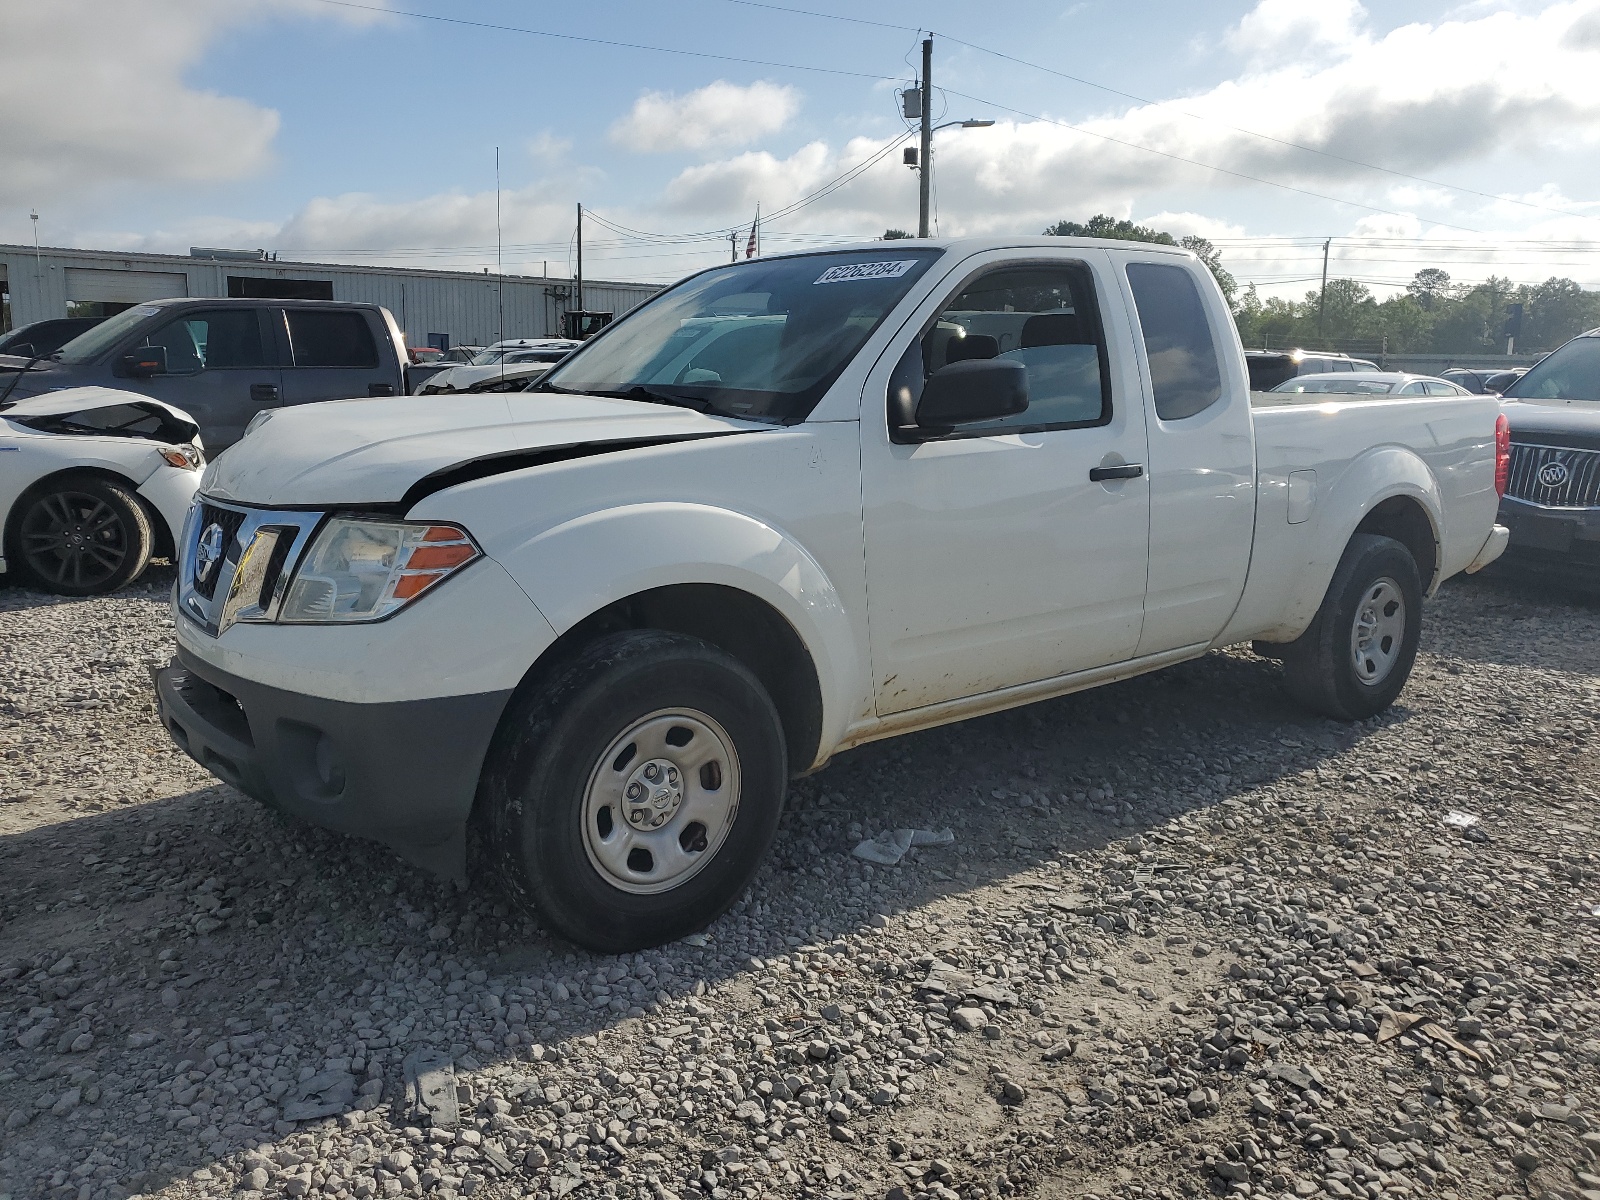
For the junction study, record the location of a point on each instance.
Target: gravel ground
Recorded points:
(1188, 940)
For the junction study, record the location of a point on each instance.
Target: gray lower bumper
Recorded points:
(403, 774)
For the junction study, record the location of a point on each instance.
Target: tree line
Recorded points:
(1434, 315)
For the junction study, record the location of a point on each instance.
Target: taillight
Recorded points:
(1502, 454)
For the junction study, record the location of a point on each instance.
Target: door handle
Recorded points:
(264, 393)
(1122, 471)
(380, 389)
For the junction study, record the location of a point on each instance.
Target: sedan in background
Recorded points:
(1373, 383)
(93, 483)
(495, 362)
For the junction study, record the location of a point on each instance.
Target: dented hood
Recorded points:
(46, 412)
(389, 449)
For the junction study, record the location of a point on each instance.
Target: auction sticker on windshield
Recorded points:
(851, 272)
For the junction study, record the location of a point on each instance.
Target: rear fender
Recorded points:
(575, 569)
(1378, 475)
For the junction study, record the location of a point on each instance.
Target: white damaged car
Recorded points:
(94, 482)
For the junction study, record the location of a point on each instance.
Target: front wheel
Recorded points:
(81, 536)
(1357, 655)
(631, 798)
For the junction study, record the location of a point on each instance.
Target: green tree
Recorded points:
(1554, 311)
(1346, 312)
(1428, 286)
(1212, 257)
(894, 235)
(1102, 226)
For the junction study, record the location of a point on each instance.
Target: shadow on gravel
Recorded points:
(276, 929)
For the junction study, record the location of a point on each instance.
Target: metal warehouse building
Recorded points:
(440, 308)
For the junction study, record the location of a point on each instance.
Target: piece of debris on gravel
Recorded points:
(1187, 940)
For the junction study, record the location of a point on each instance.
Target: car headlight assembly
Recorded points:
(361, 569)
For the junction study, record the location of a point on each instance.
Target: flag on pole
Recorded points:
(750, 246)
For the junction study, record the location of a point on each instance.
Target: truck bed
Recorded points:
(1337, 448)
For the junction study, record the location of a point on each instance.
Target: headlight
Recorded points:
(183, 455)
(363, 570)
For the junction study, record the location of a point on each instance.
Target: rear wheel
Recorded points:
(80, 536)
(1357, 655)
(632, 797)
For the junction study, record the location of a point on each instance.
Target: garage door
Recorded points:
(124, 287)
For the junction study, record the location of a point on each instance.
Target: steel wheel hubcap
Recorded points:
(661, 801)
(73, 539)
(1378, 631)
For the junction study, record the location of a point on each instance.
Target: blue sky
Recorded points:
(337, 132)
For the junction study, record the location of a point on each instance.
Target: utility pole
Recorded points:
(1322, 302)
(499, 261)
(733, 245)
(579, 330)
(925, 174)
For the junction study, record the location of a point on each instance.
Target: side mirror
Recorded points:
(974, 389)
(145, 362)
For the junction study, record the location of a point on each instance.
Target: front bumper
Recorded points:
(1554, 541)
(403, 773)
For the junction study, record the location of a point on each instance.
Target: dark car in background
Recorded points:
(224, 361)
(1484, 380)
(40, 339)
(1269, 368)
(1552, 497)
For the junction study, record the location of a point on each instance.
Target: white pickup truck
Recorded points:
(787, 507)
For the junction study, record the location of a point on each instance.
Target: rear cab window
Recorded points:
(1185, 372)
(337, 338)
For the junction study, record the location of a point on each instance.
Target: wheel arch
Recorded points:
(708, 570)
(166, 539)
(736, 622)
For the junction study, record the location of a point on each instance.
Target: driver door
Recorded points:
(993, 558)
(217, 371)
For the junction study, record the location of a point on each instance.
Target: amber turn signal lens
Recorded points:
(433, 558)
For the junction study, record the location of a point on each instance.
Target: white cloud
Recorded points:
(94, 96)
(719, 115)
(1294, 27)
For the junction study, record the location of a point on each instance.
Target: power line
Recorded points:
(1193, 162)
(594, 41)
(1126, 95)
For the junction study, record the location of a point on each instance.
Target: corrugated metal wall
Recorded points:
(470, 309)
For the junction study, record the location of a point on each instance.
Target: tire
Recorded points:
(671, 720)
(80, 535)
(1357, 655)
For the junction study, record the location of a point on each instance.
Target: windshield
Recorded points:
(1344, 386)
(96, 341)
(1571, 372)
(762, 339)
(486, 358)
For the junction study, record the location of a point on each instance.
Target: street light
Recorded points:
(926, 165)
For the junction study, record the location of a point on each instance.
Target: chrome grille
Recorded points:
(282, 537)
(1554, 476)
(228, 520)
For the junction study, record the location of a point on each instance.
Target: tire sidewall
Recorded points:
(1378, 558)
(136, 527)
(610, 686)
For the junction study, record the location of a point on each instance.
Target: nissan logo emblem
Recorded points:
(207, 552)
(1553, 474)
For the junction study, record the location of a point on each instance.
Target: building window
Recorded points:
(253, 287)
